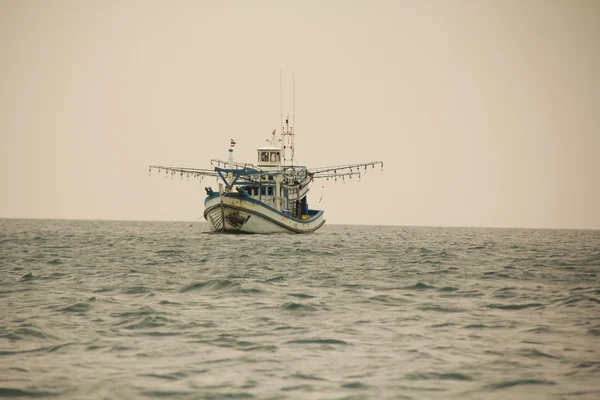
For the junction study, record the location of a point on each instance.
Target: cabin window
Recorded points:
(262, 191)
(256, 191)
(270, 191)
(264, 156)
(273, 157)
(270, 177)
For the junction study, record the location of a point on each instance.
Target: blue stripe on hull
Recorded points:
(274, 221)
(251, 200)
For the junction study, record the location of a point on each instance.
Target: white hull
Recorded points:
(233, 213)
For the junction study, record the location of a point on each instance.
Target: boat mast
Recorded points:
(281, 99)
(287, 132)
(293, 108)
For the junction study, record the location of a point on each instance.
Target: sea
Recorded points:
(170, 310)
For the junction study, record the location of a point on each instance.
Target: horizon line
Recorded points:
(336, 224)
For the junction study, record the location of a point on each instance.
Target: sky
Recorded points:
(485, 113)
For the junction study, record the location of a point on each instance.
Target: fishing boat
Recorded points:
(270, 196)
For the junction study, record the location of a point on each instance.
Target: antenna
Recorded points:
(281, 98)
(293, 100)
(293, 113)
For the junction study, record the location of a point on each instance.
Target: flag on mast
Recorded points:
(232, 143)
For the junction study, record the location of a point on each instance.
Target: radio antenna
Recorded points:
(293, 100)
(281, 99)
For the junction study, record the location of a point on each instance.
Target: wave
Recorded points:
(589, 364)
(540, 329)
(277, 278)
(441, 309)
(308, 377)
(257, 347)
(169, 303)
(388, 300)
(212, 285)
(175, 376)
(515, 306)
(577, 298)
(169, 253)
(28, 277)
(483, 326)
(26, 333)
(443, 325)
(519, 382)
(536, 353)
(301, 295)
(419, 286)
(47, 349)
(354, 385)
(136, 290)
(447, 289)
(449, 376)
(147, 322)
(317, 341)
(13, 392)
(80, 307)
(298, 307)
(304, 387)
(168, 394)
(137, 313)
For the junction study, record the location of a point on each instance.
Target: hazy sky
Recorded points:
(486, 113)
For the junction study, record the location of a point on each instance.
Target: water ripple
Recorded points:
(137, 310)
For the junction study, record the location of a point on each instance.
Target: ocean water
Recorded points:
(165, 310)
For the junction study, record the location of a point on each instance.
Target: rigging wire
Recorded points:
(322, 192)
(190, 225)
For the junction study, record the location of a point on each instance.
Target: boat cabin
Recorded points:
(265, 190)
(269, 157)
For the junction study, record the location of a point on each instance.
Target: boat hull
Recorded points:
(240, 214)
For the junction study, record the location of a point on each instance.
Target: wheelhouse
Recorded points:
(269, 157)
